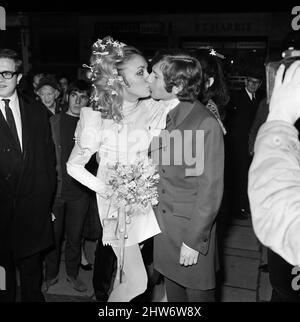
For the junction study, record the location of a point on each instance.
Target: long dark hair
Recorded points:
(211, 67)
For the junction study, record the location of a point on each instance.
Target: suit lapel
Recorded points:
(25, 125)
(179, 113)
(25, 135)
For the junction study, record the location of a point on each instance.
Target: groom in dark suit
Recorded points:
(27, 184)
(191, 168)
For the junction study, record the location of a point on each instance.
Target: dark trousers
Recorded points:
(104, 265)
(283, 279)
(70, 214)
(239, 177)
(179, 293)
(30, 278)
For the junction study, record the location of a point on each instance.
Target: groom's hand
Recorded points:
(188, 256)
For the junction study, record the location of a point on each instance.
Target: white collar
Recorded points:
(170, 104)
(249, 94)
(13, 98)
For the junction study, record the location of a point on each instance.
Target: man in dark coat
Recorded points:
(190, 193)
(241, 111)
(27, 184)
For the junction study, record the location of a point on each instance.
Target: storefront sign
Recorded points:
(221, 27)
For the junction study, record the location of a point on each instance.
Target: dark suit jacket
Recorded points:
(27, 182)
(189, 202)
(240, 116)
(57, 133)
(260, 118)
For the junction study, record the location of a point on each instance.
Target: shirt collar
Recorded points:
(249, 94)
(170, 104)
(13, 98)
(13, 103)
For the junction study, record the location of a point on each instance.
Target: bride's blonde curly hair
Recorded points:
(106, 64)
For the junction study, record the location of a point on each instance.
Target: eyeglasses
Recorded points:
(8, 75)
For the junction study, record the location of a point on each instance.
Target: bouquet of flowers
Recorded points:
(131, 189)
(132, 186)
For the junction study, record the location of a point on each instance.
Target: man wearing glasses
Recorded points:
(27, 184)
(241, 111)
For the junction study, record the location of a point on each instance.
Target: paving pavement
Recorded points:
(240, 279)
(242, 255)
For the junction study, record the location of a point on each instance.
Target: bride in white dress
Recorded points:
(119, 128)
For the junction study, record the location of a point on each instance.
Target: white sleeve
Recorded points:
(274, 189)
(87, 142)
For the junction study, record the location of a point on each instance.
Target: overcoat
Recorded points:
(190, 194)
(27, 182)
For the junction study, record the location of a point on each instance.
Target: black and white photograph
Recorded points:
(149, 153)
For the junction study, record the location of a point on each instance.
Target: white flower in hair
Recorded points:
(110, 81)
(120, 52)
(102, 46)
(98, 43)
(215, 53)
(109, 41)
(121, 80)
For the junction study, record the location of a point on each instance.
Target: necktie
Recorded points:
(168, 121)
(11, 121)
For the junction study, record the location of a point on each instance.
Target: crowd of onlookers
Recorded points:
(75, 217)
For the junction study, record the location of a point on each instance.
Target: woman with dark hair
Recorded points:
(119, 128)
(214, 94)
